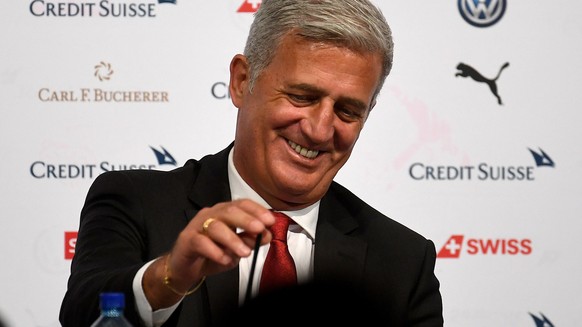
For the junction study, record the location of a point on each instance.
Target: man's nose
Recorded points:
(318, 126)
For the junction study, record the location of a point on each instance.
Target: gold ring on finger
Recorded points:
(207, 224)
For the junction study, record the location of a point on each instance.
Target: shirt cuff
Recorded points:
(149, 318)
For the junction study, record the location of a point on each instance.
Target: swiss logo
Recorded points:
(459, 244)
(452, 248)
(250, 6)
(70, 243)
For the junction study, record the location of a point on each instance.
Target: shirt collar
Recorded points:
(306, 218)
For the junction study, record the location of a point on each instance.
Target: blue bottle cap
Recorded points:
(112, 301)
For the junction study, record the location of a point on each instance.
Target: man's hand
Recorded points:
(213, 242)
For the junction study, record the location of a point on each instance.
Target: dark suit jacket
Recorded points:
(131, 217)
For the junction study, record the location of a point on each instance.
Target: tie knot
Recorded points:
(280, 227)
(279, 268)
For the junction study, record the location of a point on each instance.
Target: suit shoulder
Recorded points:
(368, 217)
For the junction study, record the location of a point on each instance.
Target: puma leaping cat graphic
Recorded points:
(468, 71)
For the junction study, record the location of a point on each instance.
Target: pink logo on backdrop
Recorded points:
(433, 134)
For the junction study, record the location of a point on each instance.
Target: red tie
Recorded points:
(279, 268)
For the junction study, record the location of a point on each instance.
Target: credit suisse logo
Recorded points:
(458, 244)
(483, 171)
(42, 169)
(541, 320)
(103, 8)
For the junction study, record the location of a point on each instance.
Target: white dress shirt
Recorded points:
(300, 238)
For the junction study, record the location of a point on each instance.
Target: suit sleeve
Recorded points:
(426, 303)
(109, 250)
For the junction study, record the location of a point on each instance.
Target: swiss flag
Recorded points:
(452, 248)
(250, 6)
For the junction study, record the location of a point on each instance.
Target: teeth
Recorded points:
(303, 151)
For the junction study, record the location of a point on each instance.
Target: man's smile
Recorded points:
(307, 153)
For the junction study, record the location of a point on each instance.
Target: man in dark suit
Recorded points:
(180, 244)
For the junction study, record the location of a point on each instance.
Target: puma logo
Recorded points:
(468, 71)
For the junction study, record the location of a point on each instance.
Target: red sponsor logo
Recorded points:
(250, 6)
(452, 248)
(70, 242)
(484, 246)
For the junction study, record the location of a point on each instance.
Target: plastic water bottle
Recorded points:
(112, 305)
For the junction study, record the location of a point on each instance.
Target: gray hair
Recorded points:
(355, 24)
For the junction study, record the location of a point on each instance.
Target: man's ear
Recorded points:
(239, 79)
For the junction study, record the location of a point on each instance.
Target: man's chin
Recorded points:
(300, 195)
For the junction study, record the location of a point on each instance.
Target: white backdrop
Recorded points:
(74, 76)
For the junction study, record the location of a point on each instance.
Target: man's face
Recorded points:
(300, 123)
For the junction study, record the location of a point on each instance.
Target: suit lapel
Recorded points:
(211, 181)
(211, 187)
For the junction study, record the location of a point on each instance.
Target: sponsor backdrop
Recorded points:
(473, 142)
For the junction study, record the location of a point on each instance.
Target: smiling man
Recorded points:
(182, 244)
(302, 118)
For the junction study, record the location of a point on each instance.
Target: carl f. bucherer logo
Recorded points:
(103, 72)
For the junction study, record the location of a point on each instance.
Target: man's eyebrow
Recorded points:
(306, 87)
(314, 89)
